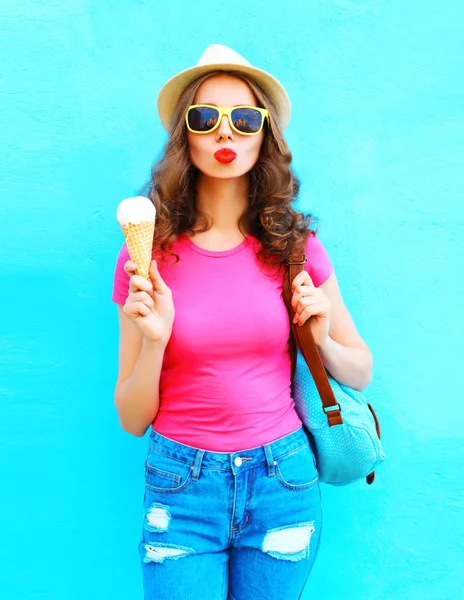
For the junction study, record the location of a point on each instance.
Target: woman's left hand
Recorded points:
(310, 301)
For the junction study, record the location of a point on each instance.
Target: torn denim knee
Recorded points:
(158, 553)
(157, 518)
(289, 543)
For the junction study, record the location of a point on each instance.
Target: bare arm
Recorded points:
(137, 387)
(344, 353)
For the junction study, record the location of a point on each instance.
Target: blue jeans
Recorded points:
(229, 526)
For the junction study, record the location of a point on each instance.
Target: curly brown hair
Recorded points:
(273, 187)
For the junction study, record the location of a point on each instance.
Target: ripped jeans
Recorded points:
(229, 526)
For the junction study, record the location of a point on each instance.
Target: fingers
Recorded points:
(130, 268)
(139, 302)
(140, 284)
(309, 301)
(303, 278)
(158, 283)
(307, 308)
(136, 309)
(144, 298)
(303, 291)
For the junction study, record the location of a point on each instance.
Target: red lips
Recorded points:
(225, 155)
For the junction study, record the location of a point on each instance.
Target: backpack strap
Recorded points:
(302, 338)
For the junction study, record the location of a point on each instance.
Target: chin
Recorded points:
(228, 174)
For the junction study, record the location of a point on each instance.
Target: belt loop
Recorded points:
(271, 463)
(197, 465)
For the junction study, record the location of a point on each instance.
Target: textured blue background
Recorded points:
(377, 136)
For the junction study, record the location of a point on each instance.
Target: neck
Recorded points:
(223, 200)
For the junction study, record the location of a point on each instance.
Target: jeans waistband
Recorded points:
(242, 459)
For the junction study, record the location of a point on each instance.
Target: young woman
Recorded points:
(232, 506)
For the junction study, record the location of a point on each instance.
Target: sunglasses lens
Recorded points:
(202, 118)
(247, 120)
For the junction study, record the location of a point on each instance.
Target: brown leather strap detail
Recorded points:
(305, 341)
(370, 478)
(334, 417)
(377, 424)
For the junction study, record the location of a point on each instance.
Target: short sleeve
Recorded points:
(318, 264)
(121, 278)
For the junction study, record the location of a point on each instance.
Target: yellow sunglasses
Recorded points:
(246, 120)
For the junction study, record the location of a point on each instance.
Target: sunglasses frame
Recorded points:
(227, 110)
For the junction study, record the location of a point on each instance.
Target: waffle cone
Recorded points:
(139, 240)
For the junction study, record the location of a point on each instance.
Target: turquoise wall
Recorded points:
(377, 136)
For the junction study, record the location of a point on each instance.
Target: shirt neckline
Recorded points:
(219, 253)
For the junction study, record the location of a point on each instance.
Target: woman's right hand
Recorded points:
(149, 304)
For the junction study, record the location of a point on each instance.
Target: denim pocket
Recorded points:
(297, 469)
(166, 474)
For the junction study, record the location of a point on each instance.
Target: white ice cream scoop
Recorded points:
(135, 210)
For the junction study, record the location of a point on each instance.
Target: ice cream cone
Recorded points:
(136, 216)
(139, 241)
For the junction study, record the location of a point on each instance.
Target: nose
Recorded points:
(224, 131)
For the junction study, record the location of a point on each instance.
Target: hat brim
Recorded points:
(171, 91)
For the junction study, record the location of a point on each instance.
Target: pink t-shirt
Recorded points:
(225, 380)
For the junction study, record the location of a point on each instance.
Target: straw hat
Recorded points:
(221, 58)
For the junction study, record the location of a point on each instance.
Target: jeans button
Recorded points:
(238, 461)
